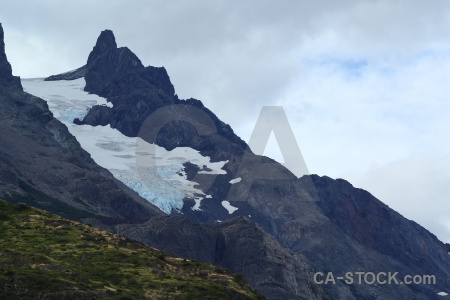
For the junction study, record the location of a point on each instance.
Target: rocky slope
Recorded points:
(238, 245)
(71, 75)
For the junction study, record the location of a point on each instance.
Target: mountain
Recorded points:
(200, 193)
(321, 219)
(42, 164)
(136, 92)
(45, 256)
(6, 77)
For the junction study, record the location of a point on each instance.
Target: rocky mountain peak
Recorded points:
(105, 41)
(107, 38)
(6, 77)
(3, 59)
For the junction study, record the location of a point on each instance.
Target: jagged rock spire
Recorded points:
(107, 64)
(5, 67)
(6, 77)
(105, 41)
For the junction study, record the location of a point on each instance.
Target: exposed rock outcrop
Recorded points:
(239, 245)
(6, 77)
(137, 91)
(71, 75)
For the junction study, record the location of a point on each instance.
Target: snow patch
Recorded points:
(198, 202)
(66, 98)
(236, 180)
(161, 180)
(231, 209)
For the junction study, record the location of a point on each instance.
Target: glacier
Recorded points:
(153, 172)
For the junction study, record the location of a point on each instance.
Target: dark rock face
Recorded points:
(136, 92)
(105, 42)
(6, 77)
(334, 225)
(372, 223)
(239, 245)
(101, 115)
(113, 72)
(363, 227)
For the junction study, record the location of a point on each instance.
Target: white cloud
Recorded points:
(383, 126)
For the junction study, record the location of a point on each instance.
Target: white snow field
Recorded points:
(154, 173)
(227, 205)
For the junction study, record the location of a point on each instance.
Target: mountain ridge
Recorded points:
(302, 209)
(43, 165)
(285, 228)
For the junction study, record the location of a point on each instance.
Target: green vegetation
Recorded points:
(43, 256)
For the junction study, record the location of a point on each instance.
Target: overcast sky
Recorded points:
(365, 84)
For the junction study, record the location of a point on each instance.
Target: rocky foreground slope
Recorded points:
(44, 256)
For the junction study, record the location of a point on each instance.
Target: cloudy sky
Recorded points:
(364, 83)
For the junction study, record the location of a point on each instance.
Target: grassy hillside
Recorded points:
(43, 256)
